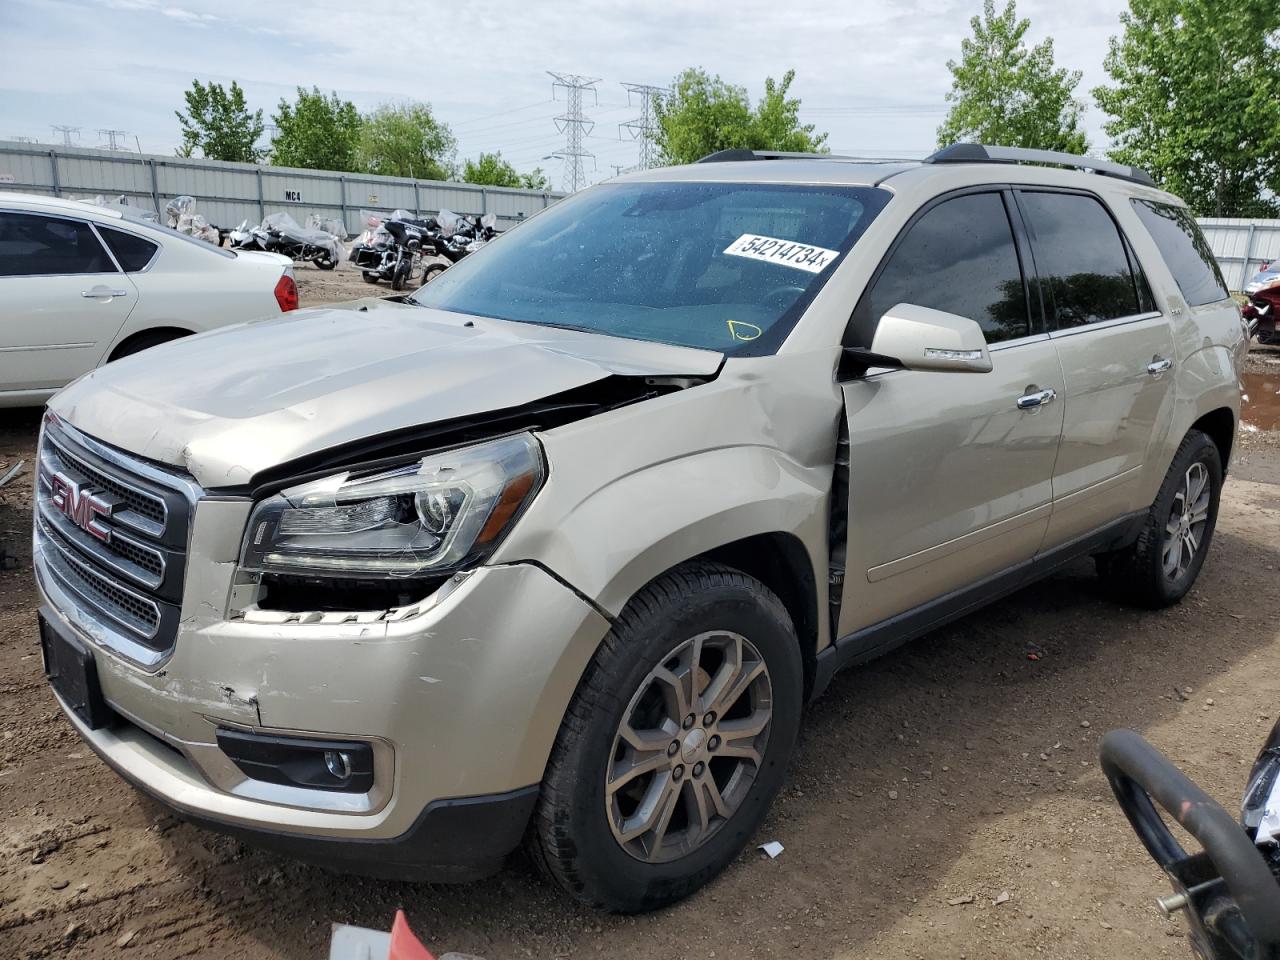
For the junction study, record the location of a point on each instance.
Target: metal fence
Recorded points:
(1242, 246)
(227, 193)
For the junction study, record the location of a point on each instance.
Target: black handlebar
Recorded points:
(1138, 774)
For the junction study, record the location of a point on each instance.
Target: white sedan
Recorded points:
(81, 285)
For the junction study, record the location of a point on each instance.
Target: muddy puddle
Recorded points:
(1260, 405)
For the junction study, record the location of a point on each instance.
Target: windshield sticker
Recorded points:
(801, 256)
(741, 330)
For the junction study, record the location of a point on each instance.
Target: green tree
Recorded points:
(406, 140)
(1195, 99)
(1002, 93)
(491, 170)
(218, 123)
(702, 114)
(317, 132)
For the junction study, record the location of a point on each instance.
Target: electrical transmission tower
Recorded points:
(643, 128)
(574, 126)
(66, 133)
(115, 139)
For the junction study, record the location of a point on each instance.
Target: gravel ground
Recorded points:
(945, 801)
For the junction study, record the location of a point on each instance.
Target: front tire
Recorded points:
(400, 278)
(1160, 567)
(675, 744)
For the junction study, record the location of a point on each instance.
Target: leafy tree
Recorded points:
(219, 124)
(1195, 99)
(491, 170)
(1002, 93)
(406, 140)
(317, 132)
(702, 114)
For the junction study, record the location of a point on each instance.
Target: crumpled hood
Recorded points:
(227, 404)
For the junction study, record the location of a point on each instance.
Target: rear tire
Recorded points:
(432, 271)
(1160, 566)
(369, 276)
(325, 263)
(636, 820)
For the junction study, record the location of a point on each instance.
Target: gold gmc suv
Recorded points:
(554, 550)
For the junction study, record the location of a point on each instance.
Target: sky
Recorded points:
(872, 75)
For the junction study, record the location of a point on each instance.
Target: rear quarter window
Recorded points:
(1185, 250)
(132, 251)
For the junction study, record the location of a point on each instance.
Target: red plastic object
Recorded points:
(404, 945)
(286, 293)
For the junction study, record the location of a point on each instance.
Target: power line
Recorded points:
(66, 133)
(574, 125)
(643, 128)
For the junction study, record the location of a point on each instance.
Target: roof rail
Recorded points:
(978, 153)
(739, 153)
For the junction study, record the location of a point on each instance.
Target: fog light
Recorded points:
(343, 766)
(338, 763)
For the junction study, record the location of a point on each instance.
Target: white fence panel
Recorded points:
(1241, 246)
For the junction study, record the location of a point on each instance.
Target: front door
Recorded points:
(949, 475)
(64, 300)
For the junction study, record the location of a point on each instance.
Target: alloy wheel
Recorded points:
(1184, 531)
(690, 745)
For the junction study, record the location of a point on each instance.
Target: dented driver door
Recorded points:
(950, 474)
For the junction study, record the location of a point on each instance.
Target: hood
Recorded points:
(227, 404)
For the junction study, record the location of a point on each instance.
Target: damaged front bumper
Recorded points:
(459, 704)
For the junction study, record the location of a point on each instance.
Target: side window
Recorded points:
(35, 245)
(131, 251)
(959, 257)
(1081, 258)
(1185, 251)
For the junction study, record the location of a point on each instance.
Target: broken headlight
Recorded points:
(431, 515)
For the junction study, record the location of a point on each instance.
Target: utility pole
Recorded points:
(574, 126)
(644, 127)
(115, 139)
(66, 133)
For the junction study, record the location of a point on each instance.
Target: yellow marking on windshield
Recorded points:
(741, 330)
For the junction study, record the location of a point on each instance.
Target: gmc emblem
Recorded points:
(81, 507)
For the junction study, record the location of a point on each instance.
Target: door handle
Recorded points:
(1037, 398)
(102, 293)
(1159, 365)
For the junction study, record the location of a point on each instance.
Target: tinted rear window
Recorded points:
(1185, 251)
(132, 251)
(35, 245)
(1081, 259)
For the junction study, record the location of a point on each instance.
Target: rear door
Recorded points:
(949, 478)
(1117, 356)
(64, 300)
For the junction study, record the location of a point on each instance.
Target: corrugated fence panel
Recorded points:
(227, 193)
(1241, 246)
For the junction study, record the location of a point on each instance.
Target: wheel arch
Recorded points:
(161, 333)
(1220, 426)
(780, 561)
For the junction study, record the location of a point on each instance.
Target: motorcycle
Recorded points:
(1263, 309)
(394, 248)
(1230, 891)
(458, 238)
(280, 233)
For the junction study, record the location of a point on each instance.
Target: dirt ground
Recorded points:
(954, 773)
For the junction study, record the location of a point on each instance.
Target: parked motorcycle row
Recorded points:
(319, 242)
(396, 248)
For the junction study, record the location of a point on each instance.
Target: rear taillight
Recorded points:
(286, 294)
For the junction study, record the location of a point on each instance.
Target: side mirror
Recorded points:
(919, 338)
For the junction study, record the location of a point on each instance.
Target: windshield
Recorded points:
(722, 266)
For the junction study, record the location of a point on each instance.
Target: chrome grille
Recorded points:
(124, 560)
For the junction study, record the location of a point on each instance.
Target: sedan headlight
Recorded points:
(432, 515)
